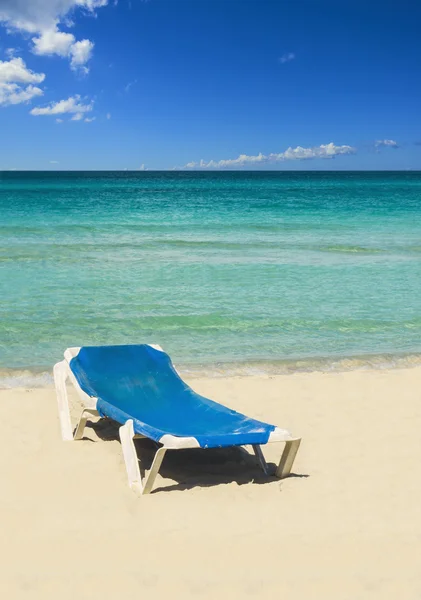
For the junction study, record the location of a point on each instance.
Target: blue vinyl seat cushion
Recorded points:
(139, 382)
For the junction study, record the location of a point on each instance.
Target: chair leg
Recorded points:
(287, 458)
(60, 377)
(130, 457)
(136, 483)
(260, 458)
(86, 412)
(156, 464)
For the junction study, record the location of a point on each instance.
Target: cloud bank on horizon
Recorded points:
(299, 153)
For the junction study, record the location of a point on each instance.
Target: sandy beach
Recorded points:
(346, 525)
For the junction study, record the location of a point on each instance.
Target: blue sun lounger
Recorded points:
(138, 387)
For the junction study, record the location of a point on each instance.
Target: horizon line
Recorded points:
(407, 170)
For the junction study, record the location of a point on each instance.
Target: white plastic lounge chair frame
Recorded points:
(144, 485)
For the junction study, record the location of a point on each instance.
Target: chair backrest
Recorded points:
(121, 372)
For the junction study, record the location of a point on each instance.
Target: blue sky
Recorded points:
(205, 84)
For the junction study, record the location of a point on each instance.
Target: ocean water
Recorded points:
(230, 272)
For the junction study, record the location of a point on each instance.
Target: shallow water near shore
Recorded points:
(236, 273)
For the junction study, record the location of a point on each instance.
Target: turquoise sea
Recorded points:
(261, 272)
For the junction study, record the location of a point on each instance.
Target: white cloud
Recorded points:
(72, 105)
(16, 82)
(52, 41)
(15, 70)
(42, 19)
(10, 52)
(322, 151)
(298, 153)
(129, 85)
(59, 120)
(11, 93)
(81, 52)
(386, 144)
(287, 57)
(89, 120)
(77, 117)
(34, 16)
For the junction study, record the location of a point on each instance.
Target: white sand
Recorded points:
(348, 527)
